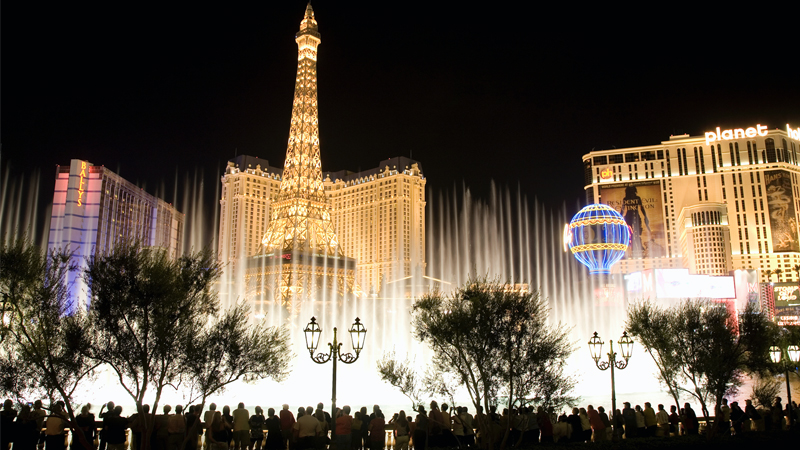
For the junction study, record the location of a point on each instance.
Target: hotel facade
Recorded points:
(378, 215)
(94, 209)
(357, 231)
(713, 204)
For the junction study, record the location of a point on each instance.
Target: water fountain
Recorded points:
(505, 235)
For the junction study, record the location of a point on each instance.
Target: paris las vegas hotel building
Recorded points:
(726, 201)
(378, 214)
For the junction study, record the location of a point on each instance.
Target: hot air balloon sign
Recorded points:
(598, 237)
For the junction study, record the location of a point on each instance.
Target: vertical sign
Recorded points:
(780, 203)
(81, 183)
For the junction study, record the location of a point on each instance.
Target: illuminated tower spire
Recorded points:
(300, 219)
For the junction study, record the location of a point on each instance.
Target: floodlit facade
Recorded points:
(94, 209)
(373, 221)
(716, 203)
(378, 215)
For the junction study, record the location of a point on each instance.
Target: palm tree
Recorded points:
(796, 269)
(768, 273)
(778, 273)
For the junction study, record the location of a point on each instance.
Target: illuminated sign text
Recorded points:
(81, 183)
(736, 133)
(605, 174)
(794, 134)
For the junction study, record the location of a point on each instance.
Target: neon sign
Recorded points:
(81, 183)
(736, 133)
(794, 134)
(606, 173)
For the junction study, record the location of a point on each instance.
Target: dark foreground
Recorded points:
(750, 441)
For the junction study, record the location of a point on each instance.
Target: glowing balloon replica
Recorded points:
(598, 237)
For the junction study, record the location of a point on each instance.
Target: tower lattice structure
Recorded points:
(302, 257)
(300, 219)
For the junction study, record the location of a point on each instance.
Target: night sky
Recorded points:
(511, 92)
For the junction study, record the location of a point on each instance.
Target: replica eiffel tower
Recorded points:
(302, 258)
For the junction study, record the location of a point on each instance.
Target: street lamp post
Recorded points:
(357, 335)
(596, 350)
(792, 357)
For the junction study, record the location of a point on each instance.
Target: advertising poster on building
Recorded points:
(787, 304)
(642, 207)
(780, 204)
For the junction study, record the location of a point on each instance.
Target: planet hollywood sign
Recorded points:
(741, 133)
(735, 133)
(794, 134)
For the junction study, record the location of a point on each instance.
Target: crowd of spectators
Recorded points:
(35, 427)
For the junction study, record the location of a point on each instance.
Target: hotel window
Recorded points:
(702, 161)
(738, 155)
(696, 162)
(685, 164)
(769, 143)
(669, 164)
(713, 160)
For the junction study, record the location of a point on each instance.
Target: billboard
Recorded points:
(746, 282)
(677, 284)
(787, 304)
(780, 204)
(642, 208)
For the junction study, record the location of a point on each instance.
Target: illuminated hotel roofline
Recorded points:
(753, 171)
(678, 139)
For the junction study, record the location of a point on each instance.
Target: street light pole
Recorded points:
(792, 357)
(596, 350)
(357, 335)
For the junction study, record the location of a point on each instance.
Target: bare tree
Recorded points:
(403, 376)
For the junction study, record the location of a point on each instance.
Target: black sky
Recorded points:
(512, 92)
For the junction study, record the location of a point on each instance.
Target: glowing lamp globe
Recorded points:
(598, 237)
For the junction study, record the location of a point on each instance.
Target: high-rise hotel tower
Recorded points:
(371, 223)
(94, 209)
(726, 200)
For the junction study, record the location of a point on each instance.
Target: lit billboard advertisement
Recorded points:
(746, 282)
(642, 208)
(678, 283)
(780, 203)
(787, 304)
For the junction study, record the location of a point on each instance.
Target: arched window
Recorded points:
(769, 143)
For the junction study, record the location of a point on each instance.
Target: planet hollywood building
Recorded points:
(723, 203)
